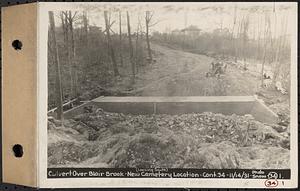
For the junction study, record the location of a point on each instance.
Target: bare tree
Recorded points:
(280, 48)
(221, 32)
(245, 38)
(137, 44)
(54, 48)
(258, 39)
(65, 26)
(130, 49)
(148, 19)
(65, 29)
(71, 19)
(266, 33)
(272, 38)
(237, 44)
(65, 35)
(233, 27)
(65, 23)
(84, 36)
(120, 38)
(275, 30)
(108, 25)
(85, 28)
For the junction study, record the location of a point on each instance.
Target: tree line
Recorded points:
(87, 57)
(269, 47)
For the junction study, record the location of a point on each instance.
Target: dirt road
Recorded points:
(179, 73)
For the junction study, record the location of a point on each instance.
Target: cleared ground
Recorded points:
(176, 72)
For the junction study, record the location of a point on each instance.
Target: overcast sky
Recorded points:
(206, 16)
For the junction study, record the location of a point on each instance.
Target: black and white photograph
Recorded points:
(170, 86)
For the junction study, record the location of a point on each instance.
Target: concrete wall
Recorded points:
(262, 113)
(177, 105)
(227, 105)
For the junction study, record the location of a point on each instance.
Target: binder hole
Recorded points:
(18, 150)
(17, 44)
